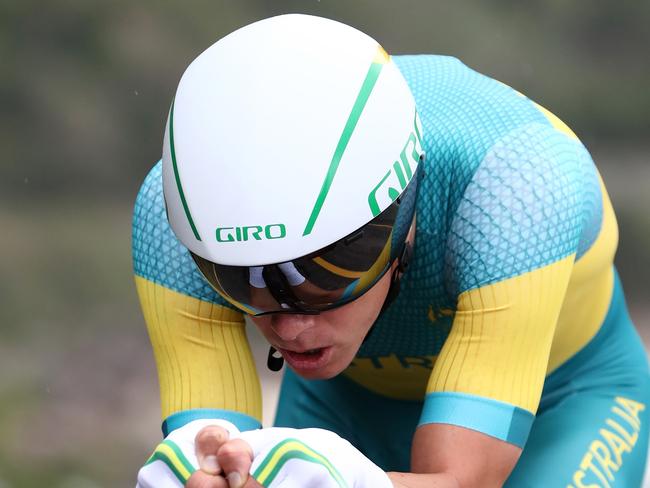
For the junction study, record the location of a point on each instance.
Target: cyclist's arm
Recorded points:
(457, 457)
(205, 368)
(511, 249)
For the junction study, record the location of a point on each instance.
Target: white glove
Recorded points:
(314, 458)
(174, 460)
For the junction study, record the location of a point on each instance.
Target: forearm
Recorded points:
(428, 480)
(449, 455)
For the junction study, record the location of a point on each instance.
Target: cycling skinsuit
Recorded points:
(511, 320)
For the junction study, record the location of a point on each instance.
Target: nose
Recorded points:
(289, 326)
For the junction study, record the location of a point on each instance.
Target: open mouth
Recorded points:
(312, 352)
(307, 360)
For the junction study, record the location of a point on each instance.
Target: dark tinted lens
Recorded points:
(312, 283)
(341, 264)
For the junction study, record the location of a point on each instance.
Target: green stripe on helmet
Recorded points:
(359, 104)
(177, 176)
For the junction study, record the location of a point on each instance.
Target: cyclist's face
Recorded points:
(322, 346)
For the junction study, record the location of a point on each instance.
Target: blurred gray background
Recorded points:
(85, 87)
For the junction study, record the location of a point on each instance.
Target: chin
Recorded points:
(324, 372)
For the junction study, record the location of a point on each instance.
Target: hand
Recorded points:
(289, 458)
(224, 462)
(175, 461)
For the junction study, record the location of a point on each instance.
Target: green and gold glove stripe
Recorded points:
(170, 454)
(292, 449)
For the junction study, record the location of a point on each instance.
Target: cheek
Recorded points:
(366, 308)
(355, 332)
(354, 320)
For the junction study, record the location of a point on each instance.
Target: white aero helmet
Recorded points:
(288, 157)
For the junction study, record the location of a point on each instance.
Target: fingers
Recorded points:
(206, 444)
(199, 479)
(217, 455)
(235, 458)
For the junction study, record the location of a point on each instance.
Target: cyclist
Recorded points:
(430, 251)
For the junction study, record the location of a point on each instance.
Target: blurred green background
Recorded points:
(85, 87)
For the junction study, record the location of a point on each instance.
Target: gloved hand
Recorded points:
(296, 458)
(175, 459)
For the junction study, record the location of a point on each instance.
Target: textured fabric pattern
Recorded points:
(519, 212)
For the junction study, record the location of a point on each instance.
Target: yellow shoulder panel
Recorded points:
(589, 291)
(201, 352)
(501, 337)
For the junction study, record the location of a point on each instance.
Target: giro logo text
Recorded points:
(396, 178)
(251, 232)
